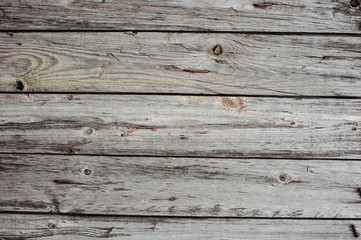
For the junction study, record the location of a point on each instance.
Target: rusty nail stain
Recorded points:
(195, 71)
(217, 50)
(129, 131)
(262, 5)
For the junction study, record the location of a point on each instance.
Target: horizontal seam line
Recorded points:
(179, 156)
(185, 94)
(182, 31)
(174, 216)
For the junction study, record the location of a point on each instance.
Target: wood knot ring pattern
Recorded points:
(32, 67)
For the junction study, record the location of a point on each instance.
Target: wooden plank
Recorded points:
(336, 16)
(76, 227)
(163, 63)
(180, 125)
(180, 186)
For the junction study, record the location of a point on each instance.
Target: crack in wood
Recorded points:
(262, 5)
(354, 231)
(67, 182)
(195, 71)
(358, 190)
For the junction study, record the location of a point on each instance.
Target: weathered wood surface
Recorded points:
(335, 16)
(180, 125)
(180, 186)
(75, 227)
(163, 63)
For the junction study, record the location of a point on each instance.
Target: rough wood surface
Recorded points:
(74, 227)
(336, 16)
(181, 63)
(180, 186)
(180, 125)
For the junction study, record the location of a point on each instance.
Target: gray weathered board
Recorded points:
(332, 16)
(105, 131)
(87, 228)
(153, 186)
(246, 64)
(181, 125)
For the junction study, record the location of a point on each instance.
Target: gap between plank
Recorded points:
(185, 31)
(186, 94)
(173, 216)
(177, 156)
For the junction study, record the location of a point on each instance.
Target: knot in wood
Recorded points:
(355, 3)
(70, 150)
(87, 171)
(51, 225)
(19, 86)
(284, 178)
(230, 104)
(172, 198)
(217, 50)
(89, 131)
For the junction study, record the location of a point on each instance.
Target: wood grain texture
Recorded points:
(73, 227)
(181, 63)
(336, 16)
(180, 186)
(180, 125)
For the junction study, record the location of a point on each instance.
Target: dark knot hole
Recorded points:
(355, 3)
(217, 50)
(19, 86)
